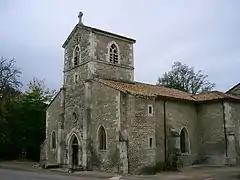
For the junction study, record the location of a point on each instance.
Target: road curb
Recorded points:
(19, 168)
(76, 174)
(64, 173)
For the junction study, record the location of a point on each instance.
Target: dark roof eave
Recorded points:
(174, 98)
(218, 100)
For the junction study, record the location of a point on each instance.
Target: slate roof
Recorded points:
(148, 90)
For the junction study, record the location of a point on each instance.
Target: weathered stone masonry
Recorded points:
(105, 121)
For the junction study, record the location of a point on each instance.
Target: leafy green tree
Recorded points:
(32, 107)
(22, 114)
(184, 78)
(9, 90)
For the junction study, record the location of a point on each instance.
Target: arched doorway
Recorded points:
(75, 149)
(75, 152)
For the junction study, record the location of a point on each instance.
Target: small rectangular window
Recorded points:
(150, 142)
(76, 78)
(150, 110)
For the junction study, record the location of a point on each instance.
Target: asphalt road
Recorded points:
(7, 174)
(10, 174)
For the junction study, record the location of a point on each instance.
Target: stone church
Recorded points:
(101, 119)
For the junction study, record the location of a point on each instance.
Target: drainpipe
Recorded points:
(225, 131)
(165, 131)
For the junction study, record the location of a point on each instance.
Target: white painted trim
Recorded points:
(98, 138)
(108, 51)
(188, 139)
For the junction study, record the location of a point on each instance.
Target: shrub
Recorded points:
(173, 163)
(150, 170)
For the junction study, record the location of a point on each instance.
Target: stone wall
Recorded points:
(123, 70)
(180, 114)
(93, 61)
(105, 112)
(125, 48)
(75, 90)
(211, 135)
(141, 129)
(52, 118)
(159, 136)
(235, 115)
(82, 39)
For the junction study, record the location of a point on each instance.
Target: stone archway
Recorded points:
(75, 152)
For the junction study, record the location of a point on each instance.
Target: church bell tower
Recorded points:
(90, 52)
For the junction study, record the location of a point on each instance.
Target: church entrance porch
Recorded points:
(75, 153)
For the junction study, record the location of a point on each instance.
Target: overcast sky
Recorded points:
(200, 33)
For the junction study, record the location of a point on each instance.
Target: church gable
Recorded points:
(234, 90)
(77, 50)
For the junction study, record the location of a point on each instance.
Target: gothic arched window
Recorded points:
(76, 56)
(53, 140)
(184, 141)
(102, 138)
(113, 54)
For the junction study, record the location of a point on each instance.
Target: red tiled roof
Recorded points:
(148, 90)
(215, 95)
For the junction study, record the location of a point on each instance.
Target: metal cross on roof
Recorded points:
(80, 15)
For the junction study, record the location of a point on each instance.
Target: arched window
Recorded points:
(113, 54)
(76, 56)
(53, 140)
(184, 141)
(102, 139)
(74, 116)
(75, 141)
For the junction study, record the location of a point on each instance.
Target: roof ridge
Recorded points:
(238, 84)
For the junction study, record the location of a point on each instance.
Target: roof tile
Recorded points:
(148, 90)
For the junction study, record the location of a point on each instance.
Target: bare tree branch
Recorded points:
(9, 77)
